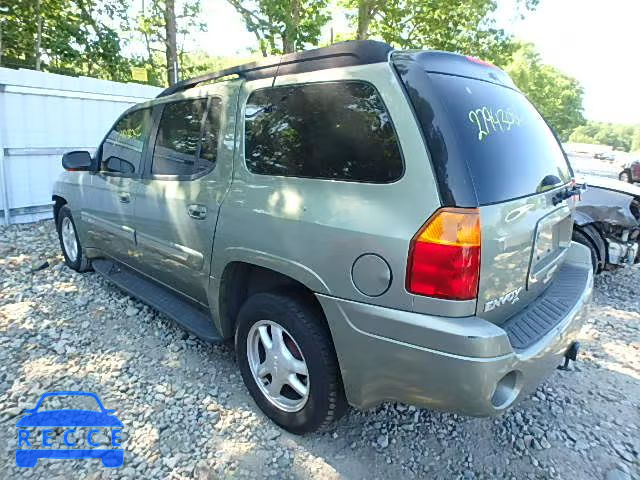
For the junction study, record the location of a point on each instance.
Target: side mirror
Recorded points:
(77, 161)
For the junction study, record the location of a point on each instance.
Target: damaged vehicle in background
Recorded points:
(631, 172)
(607, 221)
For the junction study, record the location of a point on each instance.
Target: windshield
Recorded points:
(485, 138)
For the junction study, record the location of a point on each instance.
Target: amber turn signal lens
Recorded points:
(453, 226)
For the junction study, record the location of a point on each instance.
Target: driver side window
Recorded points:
(122, 149)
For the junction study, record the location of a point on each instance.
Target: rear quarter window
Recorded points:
(333, 130)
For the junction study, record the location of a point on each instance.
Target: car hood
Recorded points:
(69, 418)
(609, 184)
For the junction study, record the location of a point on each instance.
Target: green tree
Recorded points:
(159, 25)
(635, 141)
(77, 37)
(465, 27)
(200, 62)
(283, 26)
(620, 137)
(557, 95)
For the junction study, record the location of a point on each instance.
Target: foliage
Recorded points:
(464, 27)
(150, 27)
(283, 26)
(198, 63)
(79, 37)
(557, 96)
(620, 137)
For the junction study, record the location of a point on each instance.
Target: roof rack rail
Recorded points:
(343, 54)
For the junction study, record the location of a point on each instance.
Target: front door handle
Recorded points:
(198, 212)
(124, 197)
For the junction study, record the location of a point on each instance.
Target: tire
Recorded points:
(625, 176)
(582, 239)
(306, 338)
(75, 259)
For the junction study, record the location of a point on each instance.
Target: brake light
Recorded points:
(444, 256)
(480, 61)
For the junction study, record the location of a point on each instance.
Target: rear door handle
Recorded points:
(198, 212)
(124, 197)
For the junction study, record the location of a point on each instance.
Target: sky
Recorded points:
(595, 41)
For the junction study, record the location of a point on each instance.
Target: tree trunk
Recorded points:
(171, 42)
(147, 41)
(0, 42)
(38, 33)
(365, 12)
(262, 44)
(291, 30)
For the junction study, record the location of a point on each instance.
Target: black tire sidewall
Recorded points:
(582, 239)
(629, 178)
(311, 338)
(65, 212)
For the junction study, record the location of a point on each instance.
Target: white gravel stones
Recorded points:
(187, 414)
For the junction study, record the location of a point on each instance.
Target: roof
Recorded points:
(343, 54)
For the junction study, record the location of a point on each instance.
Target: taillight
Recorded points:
(481, 62)
(444, 256)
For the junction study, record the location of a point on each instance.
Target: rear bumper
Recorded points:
(464, 365)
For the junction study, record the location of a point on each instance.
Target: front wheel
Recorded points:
(70, 243)
(288, 362)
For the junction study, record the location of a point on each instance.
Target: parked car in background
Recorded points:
(608, 156)
(607, 221)
(368, 224)
(631, 172)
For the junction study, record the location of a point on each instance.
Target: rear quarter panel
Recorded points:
(313, 230)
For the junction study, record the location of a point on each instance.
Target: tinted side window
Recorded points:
(334, 130)
(210, 134)
(122, 149)
(178, 137)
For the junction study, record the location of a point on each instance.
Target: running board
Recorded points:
(174, 306)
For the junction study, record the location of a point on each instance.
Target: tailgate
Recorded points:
(523, 244)
(492, 150)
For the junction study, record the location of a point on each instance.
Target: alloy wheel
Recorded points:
(69, 239)
(278, 365)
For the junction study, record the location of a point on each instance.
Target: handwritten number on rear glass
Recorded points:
(487, 121)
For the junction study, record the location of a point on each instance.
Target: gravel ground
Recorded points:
(187, 414)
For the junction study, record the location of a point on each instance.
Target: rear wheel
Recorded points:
(582, 239)
(69, 242)
(288, 362)
(625, 176)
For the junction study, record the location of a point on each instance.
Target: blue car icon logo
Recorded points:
(70, 422)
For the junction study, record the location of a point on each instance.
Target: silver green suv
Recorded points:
(368, 224)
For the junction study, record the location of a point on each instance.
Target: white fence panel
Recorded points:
(43, 115)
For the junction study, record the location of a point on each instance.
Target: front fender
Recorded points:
(581, 218)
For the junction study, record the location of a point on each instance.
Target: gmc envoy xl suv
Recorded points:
(368, 224)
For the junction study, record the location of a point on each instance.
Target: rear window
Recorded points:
(510, 150)
(487, 142)
(333, 130)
